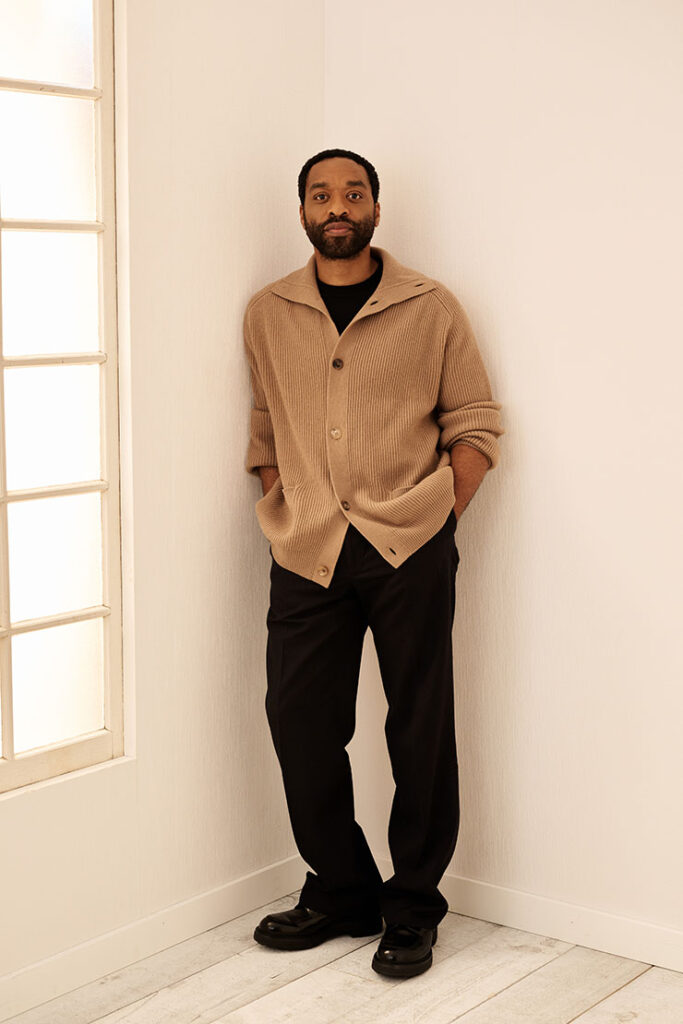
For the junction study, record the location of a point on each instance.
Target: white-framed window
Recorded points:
(61, 686)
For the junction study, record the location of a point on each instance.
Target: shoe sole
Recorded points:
(408, 970)
(294, 942)
(404, 970)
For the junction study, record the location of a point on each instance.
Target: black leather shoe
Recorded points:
(301, 928)
(404, 951)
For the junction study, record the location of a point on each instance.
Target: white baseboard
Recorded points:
(583, 926)
(55, 975)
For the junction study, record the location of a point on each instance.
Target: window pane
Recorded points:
(52, 424)
(55, 555)
(47, 157)
(49, 292)
(58, 683)
(47, 40)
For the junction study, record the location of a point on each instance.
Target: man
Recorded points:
(372, 425)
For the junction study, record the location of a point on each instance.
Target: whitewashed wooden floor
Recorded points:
(482, 974)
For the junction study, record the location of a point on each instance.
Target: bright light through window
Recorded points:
(60, 618)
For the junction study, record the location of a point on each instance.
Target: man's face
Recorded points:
(339, 215)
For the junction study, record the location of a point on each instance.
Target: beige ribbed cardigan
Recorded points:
(360, 424)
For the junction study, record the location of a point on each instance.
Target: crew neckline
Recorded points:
(356, 284)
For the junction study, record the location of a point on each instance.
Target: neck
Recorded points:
(352, 271)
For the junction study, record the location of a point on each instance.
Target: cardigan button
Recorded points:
(322, 570)
(335, 432)
(345, 504)
(337, 363)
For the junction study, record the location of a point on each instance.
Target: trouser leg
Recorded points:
(411, 613)
(315, 641)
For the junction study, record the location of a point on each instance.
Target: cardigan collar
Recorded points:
(396, 284)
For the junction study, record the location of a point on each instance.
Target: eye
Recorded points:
(318, 194)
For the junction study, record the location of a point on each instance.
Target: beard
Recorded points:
(341, 247)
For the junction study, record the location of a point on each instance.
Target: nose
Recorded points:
(338, 207)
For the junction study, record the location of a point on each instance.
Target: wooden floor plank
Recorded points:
(122, 990)
(316, 998)
(483, 973)
(458, 981)
(559, 991)
(241, 979)
(350, 991)
(655, 997)
(346, 986)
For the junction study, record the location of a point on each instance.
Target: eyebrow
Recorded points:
(323, 184)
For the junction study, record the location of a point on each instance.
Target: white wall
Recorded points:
(530, 159)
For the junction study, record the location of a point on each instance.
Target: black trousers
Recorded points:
(315, 640)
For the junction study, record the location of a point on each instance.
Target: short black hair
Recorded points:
(326, 154)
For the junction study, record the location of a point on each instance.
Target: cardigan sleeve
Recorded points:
(466, 411)
(261, 446)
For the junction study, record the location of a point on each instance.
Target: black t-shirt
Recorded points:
(344, 300)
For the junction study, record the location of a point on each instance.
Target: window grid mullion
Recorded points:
(23, 224)
(97, 611)
(105, 178)
(110, 455)
(6, 708)
(48, 88)
(54, 359)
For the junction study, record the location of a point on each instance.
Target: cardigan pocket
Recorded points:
(275, 511)
(276, 486)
